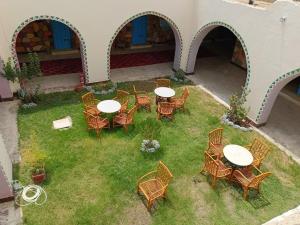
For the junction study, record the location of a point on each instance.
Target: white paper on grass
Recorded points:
(62, 123)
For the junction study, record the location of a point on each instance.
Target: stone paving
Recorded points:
(9, 214)
(9, 129)
(291, 217)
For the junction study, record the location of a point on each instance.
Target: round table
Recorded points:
(238, 155)
(109, 106)
(164, 92)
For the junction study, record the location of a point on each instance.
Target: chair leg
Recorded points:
(245, 194)
(213, 184)
(126, 129)
(149, 205)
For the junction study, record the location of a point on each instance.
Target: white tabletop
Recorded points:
(164, 92)
(238, 155)
(109, 106)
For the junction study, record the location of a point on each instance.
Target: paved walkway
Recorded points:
(141, 72)
(9, 129)
(218, 76)
(284, 124)
(9, 215)
(56, 83)
(291, 217)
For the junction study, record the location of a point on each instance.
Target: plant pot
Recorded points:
(38, 178)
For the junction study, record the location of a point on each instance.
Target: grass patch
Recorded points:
(93, 182)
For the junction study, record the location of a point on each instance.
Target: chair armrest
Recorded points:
(103, 119)
(140, 92)
(156, 194)
(258, 170)
(226, 171)
(239, 172)
(146, 175)
(248, 146)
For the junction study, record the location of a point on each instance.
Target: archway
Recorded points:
(219, 61)
(60, 47)
(148, 38)
(280, 111)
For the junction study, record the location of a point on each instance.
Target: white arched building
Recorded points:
(269, 35)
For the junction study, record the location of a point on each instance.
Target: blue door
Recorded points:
(61, 35)
(139, 30)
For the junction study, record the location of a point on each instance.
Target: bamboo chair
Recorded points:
(155, 184)
(180, 102)
(124, 119)
(95, 122)
(165, 109)
(163, 82)
(259, 151)
(121, 95)
(141, 99)
(215, 142)
(247, 179)
(90, 103)
(215, 168)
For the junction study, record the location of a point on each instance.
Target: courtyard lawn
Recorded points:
(93, 182)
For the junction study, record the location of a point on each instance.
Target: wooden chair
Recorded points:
(90, 103)
(259, 151)
(154, 184)
(122, 95)
(215, 142)
(247, 179)
(95, 122)
(141, 99)
(124, 119)
(215, 168)
(124, 107)
(165, 109)
(180, 102)
(163, 83)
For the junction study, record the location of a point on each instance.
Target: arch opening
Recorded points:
(281, 110)
(145, 44)
(219, 60)
(60, 48)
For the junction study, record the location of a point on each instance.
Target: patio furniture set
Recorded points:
(165, 100)
(232, 162)
(235, 163)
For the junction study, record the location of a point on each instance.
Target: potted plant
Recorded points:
(150, 129)
(35, 158)
(38, 173)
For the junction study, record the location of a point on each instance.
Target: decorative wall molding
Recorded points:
(211, 26)
(176, 31)
(46, 17)
(291, 74)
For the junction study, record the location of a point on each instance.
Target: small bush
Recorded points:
(237, 112)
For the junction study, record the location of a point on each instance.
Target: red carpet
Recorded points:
(140, 59)
(65, 66)
(62, 66)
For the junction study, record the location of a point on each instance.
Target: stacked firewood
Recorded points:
(36, 36)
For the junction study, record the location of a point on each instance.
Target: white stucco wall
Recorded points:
(272, 46)
(97, 22)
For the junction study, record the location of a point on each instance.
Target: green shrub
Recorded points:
(237, 112)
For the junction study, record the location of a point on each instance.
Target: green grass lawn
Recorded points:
(92, 182)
